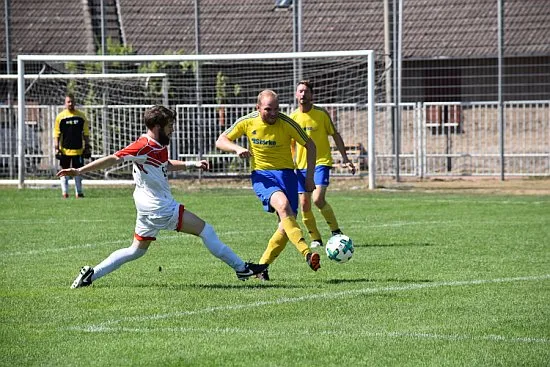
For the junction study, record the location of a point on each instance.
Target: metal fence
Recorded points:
(434, 139)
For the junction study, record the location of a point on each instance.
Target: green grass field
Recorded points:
(436, 280)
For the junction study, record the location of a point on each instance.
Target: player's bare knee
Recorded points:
(319, 202)
(282, 207)
(192, 224)
(305, 206)
(206, 230)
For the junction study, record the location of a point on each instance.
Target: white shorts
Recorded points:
(148, 225)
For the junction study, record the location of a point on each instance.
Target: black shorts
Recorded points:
(74, 161)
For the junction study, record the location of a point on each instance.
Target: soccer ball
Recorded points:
(339, 248)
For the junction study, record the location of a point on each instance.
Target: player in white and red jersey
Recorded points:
(152, 194)
(156, 208)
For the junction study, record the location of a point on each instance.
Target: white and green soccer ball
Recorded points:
(339, 248)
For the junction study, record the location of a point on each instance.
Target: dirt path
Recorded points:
(512, 186)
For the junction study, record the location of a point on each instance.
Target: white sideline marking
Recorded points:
(49, 250)
(35, 222)
(105, 326)
(457, 200)
(346, 333)
(62, 249)
(353, 224)
(361, 223)
(127, 241)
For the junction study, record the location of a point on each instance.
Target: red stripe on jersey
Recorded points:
(144, 145)
(140, 238)
(153, 161)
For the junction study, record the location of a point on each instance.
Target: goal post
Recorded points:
(44, 94)
(224, 80)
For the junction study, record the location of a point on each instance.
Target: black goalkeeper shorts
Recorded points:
(74, 161)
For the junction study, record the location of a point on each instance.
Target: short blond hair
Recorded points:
(267, 92)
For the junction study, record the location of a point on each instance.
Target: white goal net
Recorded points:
(208, 92)
(44, 96)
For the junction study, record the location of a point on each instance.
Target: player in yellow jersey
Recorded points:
(72, 143)
(274, 180)
(317, 124)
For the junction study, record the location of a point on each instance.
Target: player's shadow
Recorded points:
(257, 284)
(406, 244)
(266, 285)
(251, 284)
(373, 280)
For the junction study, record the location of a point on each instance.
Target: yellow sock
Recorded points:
(295, 235)
(327, 212)
(275, 246)
(309, 221)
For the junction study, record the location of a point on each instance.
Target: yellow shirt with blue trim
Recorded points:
(317, 124)
(70, 128)
(269, 144)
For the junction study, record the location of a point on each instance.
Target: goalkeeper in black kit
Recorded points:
(71, 143)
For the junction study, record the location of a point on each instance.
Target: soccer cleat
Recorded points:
(84, 278)
(316, 243)
(79, 196)
(250, 270)
(337, 231)
(65, 196)
(313, 260)
(263, 276)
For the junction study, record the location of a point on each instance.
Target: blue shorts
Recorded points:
(321, 177)
(265, 183)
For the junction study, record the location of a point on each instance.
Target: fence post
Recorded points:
(500, 8)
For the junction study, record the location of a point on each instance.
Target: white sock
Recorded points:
(116, 260)
(64, 184)
(78, 184)
(219, 249)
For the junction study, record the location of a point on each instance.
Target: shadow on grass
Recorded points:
(256, 284)
(408, 244)
(383, 280)
(262, 285)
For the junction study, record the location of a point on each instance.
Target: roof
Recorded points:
(469, 28)
(431, 28)
(53, 26)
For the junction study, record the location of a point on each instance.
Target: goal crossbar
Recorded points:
(176, 58)
(87, 76)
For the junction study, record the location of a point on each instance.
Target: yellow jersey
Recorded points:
(317, 124)
(70, 128)
(268, 144)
